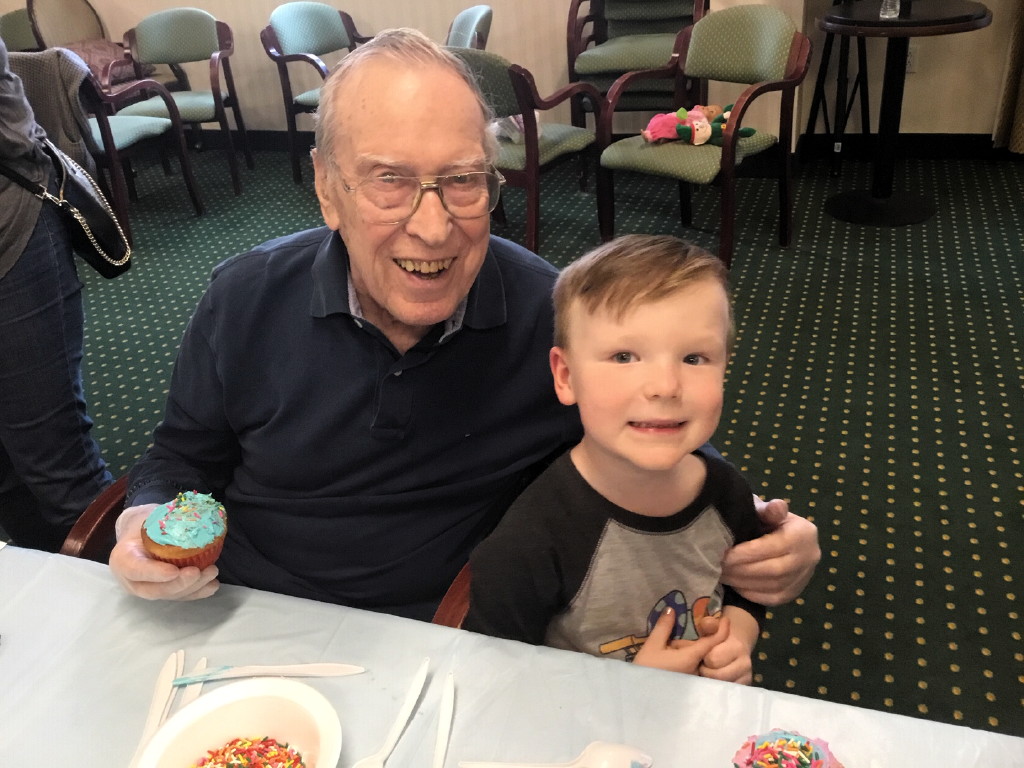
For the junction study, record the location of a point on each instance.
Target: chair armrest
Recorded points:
(455, 603)
(553, 100)
(93, 533)
(604, 123)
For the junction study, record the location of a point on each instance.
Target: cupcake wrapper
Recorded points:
(200, 558)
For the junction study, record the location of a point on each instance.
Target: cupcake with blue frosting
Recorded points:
(189, 530)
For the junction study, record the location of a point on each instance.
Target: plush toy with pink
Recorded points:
(698, 125)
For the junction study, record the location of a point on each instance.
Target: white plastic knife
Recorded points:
(324, 669)
(163, 691)
(444, 720)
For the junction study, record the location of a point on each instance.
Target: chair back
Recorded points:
(470, 28)
(308, 27)
(59, 22)
(646, 17)
(16, 31)
(175, 36)
(743, 44)
(455, 604)
(491, 72)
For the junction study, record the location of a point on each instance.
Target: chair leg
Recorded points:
(726, 233)
(129, 178)
(119, 195)
(785, 197)
(242, 135)
(293, 147)
(186, 171)
(533, 215)
(685, 205)
(236, 175)
(499, 211)
(605, 203)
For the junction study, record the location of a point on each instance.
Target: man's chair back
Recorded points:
(302, 32)
(754, 45)
(180, 35)
(455, 604)
(525, 147)
(92, 536)
(470, 28)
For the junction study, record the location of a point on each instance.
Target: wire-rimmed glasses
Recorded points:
(391, 199)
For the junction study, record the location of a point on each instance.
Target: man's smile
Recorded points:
(426, 269)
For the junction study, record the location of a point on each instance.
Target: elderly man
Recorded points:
(367, 398)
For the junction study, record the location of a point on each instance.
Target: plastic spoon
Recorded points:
(597, 754)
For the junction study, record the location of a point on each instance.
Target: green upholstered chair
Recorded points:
(75, 111)
(470, 28)
(756, 45)
(510, 91)
(607, 38)
(16, 31)
(302, 32)
(178, 36)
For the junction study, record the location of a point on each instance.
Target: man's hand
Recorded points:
(730, 660)
(774, 568)
(151, 579)
(677, 655)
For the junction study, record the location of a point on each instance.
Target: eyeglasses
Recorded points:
(391, 199)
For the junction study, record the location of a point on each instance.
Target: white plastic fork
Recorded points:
(160, 703)
(376, 760)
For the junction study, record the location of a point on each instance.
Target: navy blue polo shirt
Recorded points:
(352, 473)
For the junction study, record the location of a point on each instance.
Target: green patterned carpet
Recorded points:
(877, 384)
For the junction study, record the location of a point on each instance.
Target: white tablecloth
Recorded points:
(78, 659)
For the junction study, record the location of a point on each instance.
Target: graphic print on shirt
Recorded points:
(686, 621)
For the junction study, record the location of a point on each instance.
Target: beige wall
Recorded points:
(955, 73)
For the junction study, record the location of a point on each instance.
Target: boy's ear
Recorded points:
(563, 377)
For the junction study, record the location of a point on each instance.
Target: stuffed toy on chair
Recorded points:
(699, 125)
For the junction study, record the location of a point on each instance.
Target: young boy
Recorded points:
(615, 550)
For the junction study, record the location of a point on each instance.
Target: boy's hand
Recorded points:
(685, 656)
(730, 660)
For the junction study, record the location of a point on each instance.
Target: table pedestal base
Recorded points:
(897, 210)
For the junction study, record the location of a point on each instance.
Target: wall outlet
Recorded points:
(912, 57)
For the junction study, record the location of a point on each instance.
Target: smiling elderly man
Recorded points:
(367, 398)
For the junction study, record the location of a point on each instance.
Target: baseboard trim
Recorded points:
(931, 146)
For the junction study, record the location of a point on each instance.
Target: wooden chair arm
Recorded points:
(92, 536)
(455, 603)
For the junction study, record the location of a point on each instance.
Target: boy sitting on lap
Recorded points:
(616, 549)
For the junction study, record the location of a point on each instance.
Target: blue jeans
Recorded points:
(50, 465)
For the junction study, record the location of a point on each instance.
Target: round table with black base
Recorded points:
(880, 205)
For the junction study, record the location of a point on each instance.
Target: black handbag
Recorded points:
(95, 232)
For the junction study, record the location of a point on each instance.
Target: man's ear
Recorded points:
(322, 183)
(560, 372)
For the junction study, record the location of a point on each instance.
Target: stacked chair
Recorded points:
(755, 45)
(510, 91)
(16, 31)
(300, 33)
(180, 35)
(607, 38)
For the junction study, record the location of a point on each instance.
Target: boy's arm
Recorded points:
(730, 659)
(513, 587)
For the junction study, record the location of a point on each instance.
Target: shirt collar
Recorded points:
(333, 292)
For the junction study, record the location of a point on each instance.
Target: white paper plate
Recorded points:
(285, 710)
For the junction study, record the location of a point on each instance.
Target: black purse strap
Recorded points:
(39, 190)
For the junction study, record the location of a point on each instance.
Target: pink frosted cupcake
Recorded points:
(187, 531)
(784, 749)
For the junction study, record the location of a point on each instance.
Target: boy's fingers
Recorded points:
(662, 631)
(708, 625)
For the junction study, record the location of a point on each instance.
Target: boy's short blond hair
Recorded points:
(632, 270)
